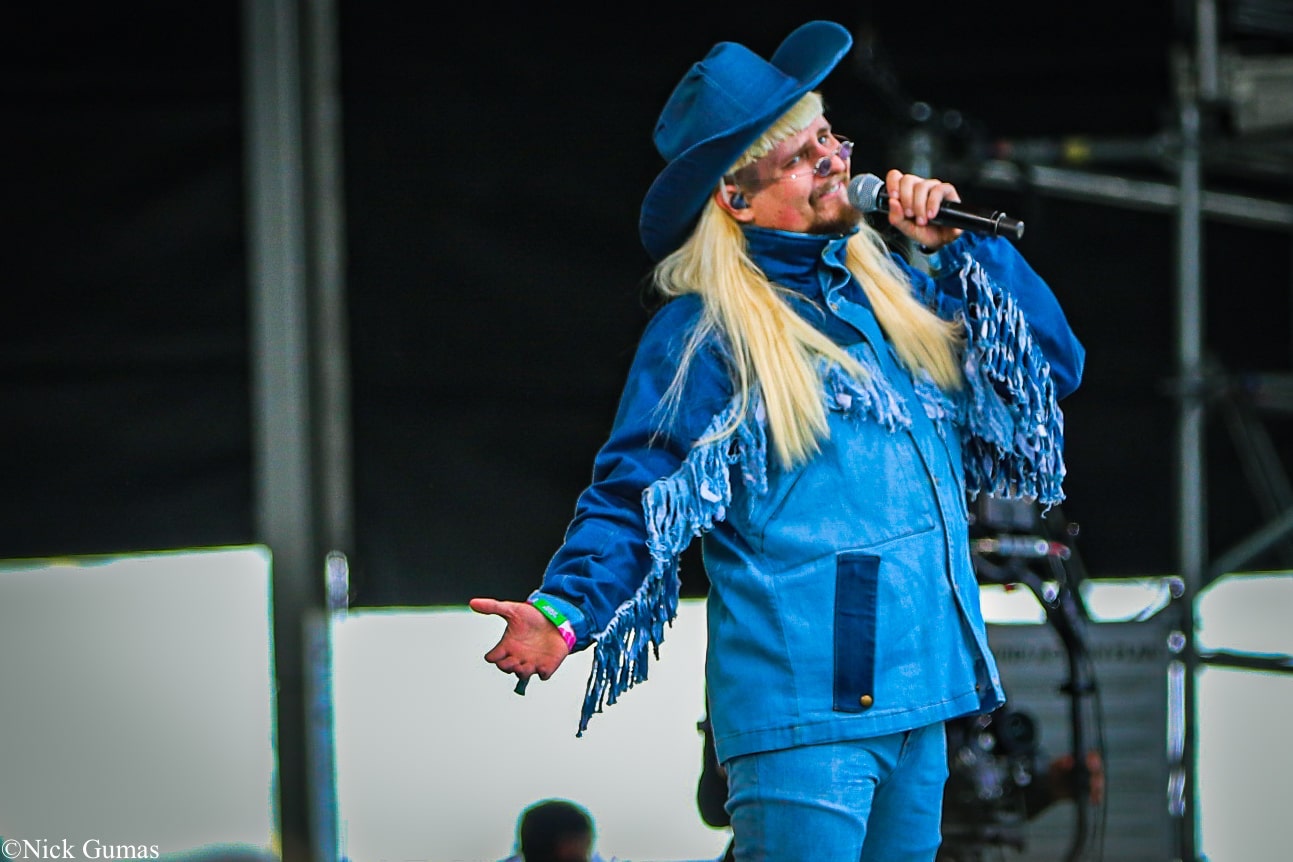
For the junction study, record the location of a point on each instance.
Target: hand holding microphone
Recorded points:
(867, 193)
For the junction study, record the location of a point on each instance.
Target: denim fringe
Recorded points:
(873, 396)
(937, 404)
(678, 508)
(1013, 423)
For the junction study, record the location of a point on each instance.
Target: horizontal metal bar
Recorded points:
(1135, 194)
(1248, 661)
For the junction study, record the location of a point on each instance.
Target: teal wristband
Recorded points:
(558, 619)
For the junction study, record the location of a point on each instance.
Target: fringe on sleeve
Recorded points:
(678, 507)
(1013, 424)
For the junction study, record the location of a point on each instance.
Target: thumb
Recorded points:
(486, 606)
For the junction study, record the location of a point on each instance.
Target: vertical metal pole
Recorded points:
(280, 381)
(330, 418)
(300, 404)
(1207, 74)
(1189, 235)
(1193, 522)
(326, 243)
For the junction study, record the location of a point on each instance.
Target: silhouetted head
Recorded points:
(556, 830)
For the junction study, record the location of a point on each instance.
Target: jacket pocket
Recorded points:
(857, 583)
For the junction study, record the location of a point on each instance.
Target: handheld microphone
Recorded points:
(866, 193)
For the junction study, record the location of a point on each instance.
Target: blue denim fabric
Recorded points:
(843, 602)
(873, 800)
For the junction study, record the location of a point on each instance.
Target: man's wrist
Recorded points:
(558, 619)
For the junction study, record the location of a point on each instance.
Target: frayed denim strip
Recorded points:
(873, 397)
(940, 407)
(1014, 426)
(678, 508)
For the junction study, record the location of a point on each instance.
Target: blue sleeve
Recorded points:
(1007, 267)
(604, 555)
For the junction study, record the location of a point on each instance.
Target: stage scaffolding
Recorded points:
(1256, 95)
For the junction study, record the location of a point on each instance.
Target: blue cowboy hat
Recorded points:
(721, 107)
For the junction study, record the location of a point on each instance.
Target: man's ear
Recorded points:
(733, 202)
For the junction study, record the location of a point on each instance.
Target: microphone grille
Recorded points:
(864, 193)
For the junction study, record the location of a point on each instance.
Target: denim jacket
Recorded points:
(843, 601)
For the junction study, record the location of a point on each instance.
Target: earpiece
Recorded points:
(738, 201)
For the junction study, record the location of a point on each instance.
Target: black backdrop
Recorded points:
(494, 161)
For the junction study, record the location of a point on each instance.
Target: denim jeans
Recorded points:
(873, 800)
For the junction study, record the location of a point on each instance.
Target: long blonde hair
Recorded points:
(768, 344)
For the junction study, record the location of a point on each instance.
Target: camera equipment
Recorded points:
(995, 782)
(992, 766)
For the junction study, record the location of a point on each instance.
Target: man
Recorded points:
(817, 409)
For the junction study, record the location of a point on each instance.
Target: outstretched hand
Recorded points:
(531, 645)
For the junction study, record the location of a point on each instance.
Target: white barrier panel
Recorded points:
(437, 757)
(1245, 757)
(136, 705)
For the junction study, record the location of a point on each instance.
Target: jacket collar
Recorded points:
(793, 260)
